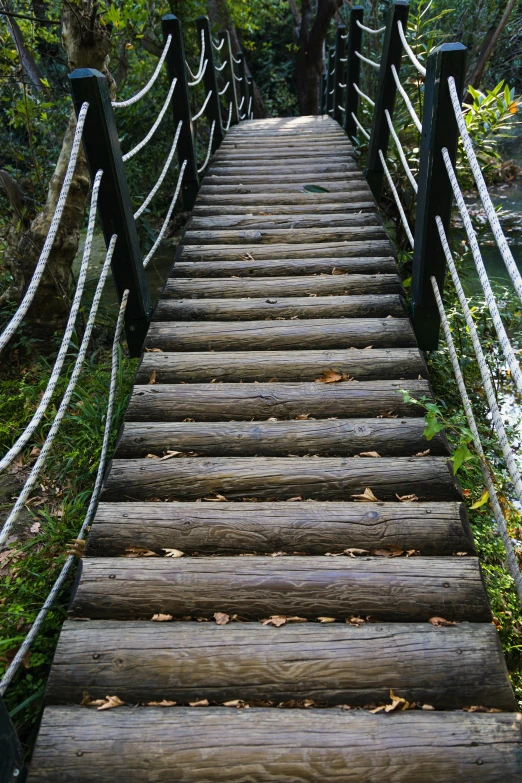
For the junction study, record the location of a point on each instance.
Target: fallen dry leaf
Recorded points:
(427, 707)
(163, 703)
(76, 547)
(423, 453)
(326, 619)
(221, 618)
(173, 552)
(461, 554)
(276, 620)
(294, 500)
(302, 417)
(199, 703)
(161, 618)
(355, 621)
(440, 622)
(153, 350)
(406, 498)
(366, 497)
(390, 551)
(369, 454)
(238, 703)
(308, 703)
(152, 378)
(151, 456)
(138, 551)
(217, 499)
(35, 527)
(171, 454)
(337, 271)
(388, 415)
(354, 551)
(330, 376)
(110, 702)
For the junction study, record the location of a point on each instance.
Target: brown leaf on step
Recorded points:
(173, 552)
(367, 347)
(152, 378)
(171, 454)
(387, 415)
(110, 702)
(366, 497)
(138, 551)
(302, 417)
(199, 703)
(330, 376)
(412, 552)
(406, 498)
(88, 702)
(247, 257)
(354, 621)
(427, 707)
(422, 453)
(238, 703)
(326, 619)
(378, 709)
(337, 271)
(163, 703)
(272, 418)
(354, 551)
(277, 554)
(390, 551)
(294, 500)
(397, 703)
(440, 622)
(276, 620)
(296, 619)
(461, 554)
(76, 547)
(308, 703)
(221, 618)
(272, 380)
(369, 454)
(217, 499)
(151, 456)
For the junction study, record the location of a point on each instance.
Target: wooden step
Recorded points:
(259, 209)
(330, 664)
(275, 221)
(212, 288)
(263, 528)
(332, 185)
(312, 333)
(337, 438)
(370, 247)
(290, 267)
(396, 589)
(220, 745)
(284, 154)
(280, 478)
(277, 235)
(303, 307)
(298, 197)
(276, 166)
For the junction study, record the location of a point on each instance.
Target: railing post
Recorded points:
(243, 86)
(102, 150)
(324, 82)
(213, 110)
(330, 80)
(353, 70)
(250, 82)
(340, 70)
(386, 91)
(12, 767)
(435, 194)
(181, 111)
(228, 76)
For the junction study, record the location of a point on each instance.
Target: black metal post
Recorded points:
(330, 80)
(213, 109)
(339, 75)
(386, 91)
(243, 86)
(250, 107)
(435, 195)
(230, 96)
(102, 150)
(181, 111)
(353, 70)
(12, 766)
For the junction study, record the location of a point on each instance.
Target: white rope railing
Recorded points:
(209, 149)
(24, 305)
(225, 88)
(341, 85)
(363, 95)
(341, 108)
(249, 110)
(419, 66)
(402, 155)
(197, 79)
(344, 37)
(154, 128)
(201, 111)
(49, 601)
(369, 29)
(64, 347)
(367, 60)
(236, 60)
(218, 47)
(144, 91)
(331, 91)
(161, 234)
(220, 67)
(241, 104)
(162, 176)
(512, 561)
(405, 98)
(498, 233)
(397, 200)
(237, 78)
(485, 372)
(201, 68)
(332, 72)
(35, 471)
(483, 275)
(227, 126)
(361, 128)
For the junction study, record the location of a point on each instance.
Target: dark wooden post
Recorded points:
(213, 109)
(102, 150)
(228, 75)
(324, 82)
(243, 86)
(12, 766)
(339, 75)
(330, 80)
(386, 91)
(181, 108)
(435, 195)
(353, 69)
(250, 82)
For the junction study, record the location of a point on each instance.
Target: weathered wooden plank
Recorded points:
(371, 247)
(280, 199)
(375, 364)
(308, 334)
(397, 589)
(289, 307)
(275, 221)
(334, 664)
(260, 209)
(253, 167)
(280, 478)
(277, 235)
(219, 745)
(283, 154)
(291, 267)
(329, 180)
(333, 186)
(263, 528)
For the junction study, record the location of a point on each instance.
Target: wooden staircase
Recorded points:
(272, 373)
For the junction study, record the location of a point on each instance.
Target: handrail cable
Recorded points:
(236, 60)
(200, 77)
(344, 37)
(409, 51)
(402, 155)
(483, 275)
(26, 644)
(369, 29)
(201, 67)
(35, 471)
(225, 88)
(405, 98)
(24, 305)
(144, 91)
(249, 110)
(331, 91)
(397, 200)
(64, 347)
(220, 67)
(514, 568)
(498, 233)
(154, 128)
(237, 78)
(362, 94)
(341, 108)
(227, 126)
(241, 104)
(216, 47)
(201, 111)
(367, 60)
(342, 86)
(162, 176)
(156, 244)
(209, 148)
(361, 128)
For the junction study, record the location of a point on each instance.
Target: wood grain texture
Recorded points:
(397, 589)
(312, 169)
(333, 664)
(264, 210)
(263, 528)
(283, 155)
(280, 478)
(233, 401)
(333, 184)
(371, 247)
(277, 235)
(275, 221)
(284, 267)
(389, 437)
(297, 197)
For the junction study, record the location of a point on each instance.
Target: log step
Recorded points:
(164, 402)
(264, 210)
(294, 267)
(222, 201)
(275, 236)
(280, 478)
(397, 589)
(275, 221)
(370, 247)
(388, 437)
(325, 285)
(341, 165)
(263, 528)
(331, 664)
(294, 184)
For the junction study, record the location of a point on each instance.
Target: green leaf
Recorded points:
(315, 189)
(461, 455)
(482, 499)
(433, 425)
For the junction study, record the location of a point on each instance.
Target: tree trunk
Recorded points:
(490, 42)
(31, 73)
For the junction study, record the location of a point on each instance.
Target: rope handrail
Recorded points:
(220, 67)
(49, 601)
(241, 104)
(367, 60)
(64, 347)
(342, 86)
(236, 60)
(512, 561)
(200, 77)
(237, 78)
(249, 110)
(402, 155)
(201, 111)
(161, 234)
(361, 127)
(344, 37)
(227, 126)
(397, 200)
(405, 98)
(162, 176)
(494, 222)
(369, 29)
(201, 68)
(331, 91)
(225, 88)
(483, 275)
(144, 91)
(341, 108)
(218, 47)
(363, 95)
(209, 148)
(409, 51)
(154, 128)
(24, 305)
(332, 72)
